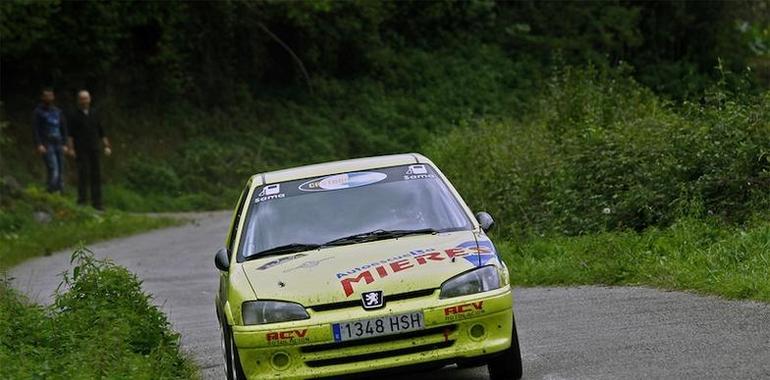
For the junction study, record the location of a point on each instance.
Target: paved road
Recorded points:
(565, 333)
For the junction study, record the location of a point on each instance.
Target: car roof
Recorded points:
(335, 167)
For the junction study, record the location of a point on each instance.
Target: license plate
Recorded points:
(388, 325)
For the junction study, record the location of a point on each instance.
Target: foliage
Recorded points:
(145, 175)
(604, 153)
(190, 158)
(5, 141)
(192, 116)
(155, 51)
(101, 326)
(691, 254)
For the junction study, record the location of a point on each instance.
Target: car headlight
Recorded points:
(261, 312)
(476, 281)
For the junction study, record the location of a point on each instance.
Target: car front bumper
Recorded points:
(456, 329)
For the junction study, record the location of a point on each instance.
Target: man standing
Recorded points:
(50, 129)
(87, 132)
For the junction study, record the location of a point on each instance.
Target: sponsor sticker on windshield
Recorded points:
(351, 180)
(343, 181)
(417, 172)
(417, 169)
(269, 192)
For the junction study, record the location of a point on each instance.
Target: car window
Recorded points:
(318, 210)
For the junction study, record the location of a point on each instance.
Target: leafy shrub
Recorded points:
(209, 166)
(154, 176)
(98, 285)
(605, 153)
(101, 326)
(11, 221)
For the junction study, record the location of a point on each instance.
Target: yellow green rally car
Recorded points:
(359, 267)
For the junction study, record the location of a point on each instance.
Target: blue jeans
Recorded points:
(54, 163)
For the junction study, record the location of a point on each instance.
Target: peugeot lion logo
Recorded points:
(372, 300)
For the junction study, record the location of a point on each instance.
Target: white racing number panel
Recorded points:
(374, 327)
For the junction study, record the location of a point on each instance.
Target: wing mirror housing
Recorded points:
(222, 260)
(485, 221)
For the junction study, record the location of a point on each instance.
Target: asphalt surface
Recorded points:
(565, 333)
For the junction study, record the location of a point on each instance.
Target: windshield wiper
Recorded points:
(379, 234)
(284, 249)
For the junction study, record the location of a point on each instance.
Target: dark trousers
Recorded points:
(54, 164)
(89, 173)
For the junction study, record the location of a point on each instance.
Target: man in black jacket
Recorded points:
(87, 133)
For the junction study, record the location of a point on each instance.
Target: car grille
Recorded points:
(387, 298)
(438, 333)
(379, 355)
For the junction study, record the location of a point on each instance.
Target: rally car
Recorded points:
(361, 267)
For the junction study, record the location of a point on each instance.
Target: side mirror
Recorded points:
(485, 221)
(222, 260)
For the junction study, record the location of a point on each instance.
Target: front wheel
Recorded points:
(507, 366)
(233, 369)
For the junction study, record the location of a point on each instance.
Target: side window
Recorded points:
(237, 218)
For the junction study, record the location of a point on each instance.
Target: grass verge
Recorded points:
(101, 326)
(692, 254)
(60, 224)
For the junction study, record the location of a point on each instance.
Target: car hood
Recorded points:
(394, 266)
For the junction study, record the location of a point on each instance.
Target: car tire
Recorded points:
(233, 369)
(225, 345)
(507, 366)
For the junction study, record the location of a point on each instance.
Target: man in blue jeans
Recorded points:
(50, 129)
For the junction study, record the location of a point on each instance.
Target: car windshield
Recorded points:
(347, 208)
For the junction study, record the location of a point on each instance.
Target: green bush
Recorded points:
(101, 326)
(97, 285)
(210, 166)
(152, 176)
(604, 153)
(11, 222)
